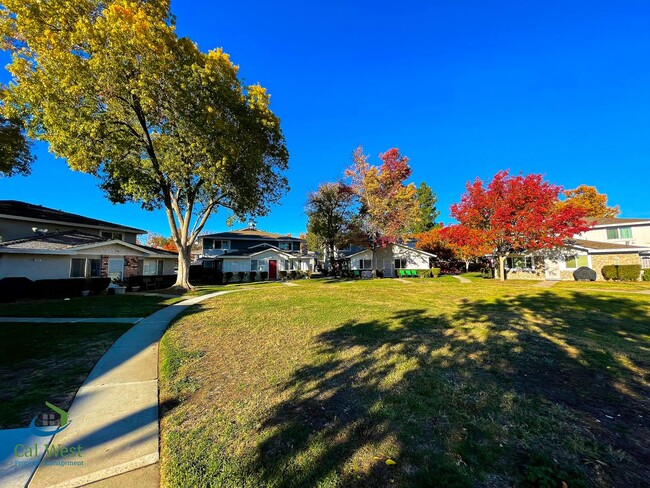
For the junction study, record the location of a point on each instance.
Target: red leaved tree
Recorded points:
(389, 209)
(515, 214)
(453, 242)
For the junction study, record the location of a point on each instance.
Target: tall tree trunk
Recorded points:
(184, 261)
(332, 257)
(502, 268)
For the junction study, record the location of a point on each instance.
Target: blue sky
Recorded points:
(464, 89)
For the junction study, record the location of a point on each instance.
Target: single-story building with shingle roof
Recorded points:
(74, 254)
(561, 263)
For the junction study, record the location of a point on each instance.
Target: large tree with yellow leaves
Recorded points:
(113, 90)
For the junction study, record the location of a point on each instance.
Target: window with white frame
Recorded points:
(576, 261)
(645, 262)
(77, 268)
(520, 262)
(151, 267)
(112, 235)
(614, 233)
(208, 243)
(365, 263)
(94, 268)
(116, 268)
(85, 268)
(400, 263)
(254, 264)
(285, 246)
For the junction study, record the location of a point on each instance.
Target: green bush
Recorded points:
(228, 276)
(487, 272)
(252, 275)
(646, 274)
(435, 272)
(308, 274)
(283, 275)
(241, 276)
(621, 272)
(293, 274)
(264, 275)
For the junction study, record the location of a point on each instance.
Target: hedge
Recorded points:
(646, 275)
(12, 289)
(621, 272)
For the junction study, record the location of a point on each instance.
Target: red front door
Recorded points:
(273, 269)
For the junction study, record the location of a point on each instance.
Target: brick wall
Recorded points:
(104, 266)
(130, 266)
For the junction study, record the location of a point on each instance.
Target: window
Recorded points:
(208, 243)
(225, 245)
(619, 233)
(208, 264)
(152, 267)
(573, 262)
(95, 267)
(285, 246)
(365, 263)
(400, 263)
(115, 268)
(520, 262)
(112, 235)
(85, 268)
(78, 268)
(254, 265)
(645, 262)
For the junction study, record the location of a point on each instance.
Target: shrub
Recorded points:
(425, 273)
(283, 275)
(228, 276)
(241, 276)
(646, 274)
(308, 274)
(252, 275)
(264, 275)
(293, 274)
(487, 272)
(435, 272)
(621, 272)
(15, 288)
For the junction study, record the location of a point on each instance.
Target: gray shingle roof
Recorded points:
(28, 211)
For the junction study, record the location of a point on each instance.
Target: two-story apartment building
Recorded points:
(610, 241)
(37, 242)
(251, 249)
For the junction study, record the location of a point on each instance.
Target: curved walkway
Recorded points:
(462, 279)
(114, 416)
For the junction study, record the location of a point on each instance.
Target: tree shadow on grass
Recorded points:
(528, 389)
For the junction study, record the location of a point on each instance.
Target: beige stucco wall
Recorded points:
(640, 235)
(384, 259)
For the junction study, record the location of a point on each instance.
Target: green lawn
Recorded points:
(94, 306)
(481, 384)
(47, 362)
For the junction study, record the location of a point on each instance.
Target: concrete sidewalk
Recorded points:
(114, 417)
(71, 320)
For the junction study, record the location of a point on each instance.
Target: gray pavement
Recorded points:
(114, 416)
